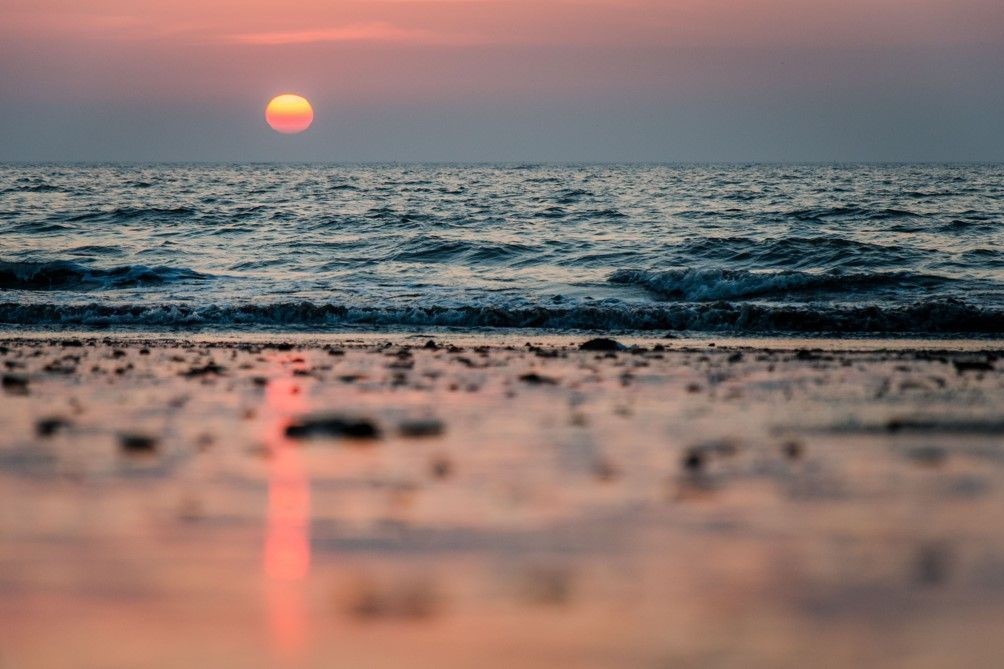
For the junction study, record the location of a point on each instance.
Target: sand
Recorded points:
(377, 501)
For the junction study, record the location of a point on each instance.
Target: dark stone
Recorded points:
(601, 344)
(137, 443)
(431, 345)
(429, 427)
(736, 357)
(329, 425)
(15, 384)
(209, 368)
(962, 366)
(792, 450)
(58, 367)
(351, 378)
(694, 460)
(537, 379)
(46, 427)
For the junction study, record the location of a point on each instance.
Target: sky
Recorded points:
(504, 80)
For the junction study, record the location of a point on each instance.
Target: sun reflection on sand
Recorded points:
(287, 530)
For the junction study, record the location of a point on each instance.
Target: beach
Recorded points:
(450, 499)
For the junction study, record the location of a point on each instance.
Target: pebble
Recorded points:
(15, 384)
(538, 379)
(332, 425)
(137, 443)
(601, 344)
(429, 427)
(46, 427)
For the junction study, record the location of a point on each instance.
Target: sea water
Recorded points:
(737, 249)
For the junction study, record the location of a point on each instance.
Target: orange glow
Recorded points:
(289, 114)
(287, 533)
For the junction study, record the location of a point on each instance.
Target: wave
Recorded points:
(67, 275)
(946, 316)
(33, 188)
(440, 250)
(725, 284)
(820, 214)
(801, 252)
(132, 213)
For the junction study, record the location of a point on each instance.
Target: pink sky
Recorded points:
(378, 56)
(545, 22)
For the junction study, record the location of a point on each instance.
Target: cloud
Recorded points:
(360, 32)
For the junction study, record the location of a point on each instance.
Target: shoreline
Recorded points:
(515, 337)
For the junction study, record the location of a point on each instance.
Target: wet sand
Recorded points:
(475, 501)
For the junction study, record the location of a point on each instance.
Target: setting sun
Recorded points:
(289, 114)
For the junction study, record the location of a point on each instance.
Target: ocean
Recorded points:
(850, 250)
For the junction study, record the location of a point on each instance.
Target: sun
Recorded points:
(289, 114)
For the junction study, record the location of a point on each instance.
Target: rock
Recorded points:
(601, 344)
(792, 450)
(46, 427)
(351, 378)
(431, 345)
(534, 378)
(15, 384)
(209, 368)
(963, 366)
(133, 442)
(332, 425)
(430, 427)
(694, 460)
(735, 357)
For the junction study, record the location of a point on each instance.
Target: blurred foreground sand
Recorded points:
(376, 502)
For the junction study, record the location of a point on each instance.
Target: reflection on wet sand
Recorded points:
(287, 523)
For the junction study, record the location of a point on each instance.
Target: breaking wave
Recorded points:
(948, 316)
(725, 284)
(67, 275)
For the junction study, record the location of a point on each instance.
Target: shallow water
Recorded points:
(737, 249)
